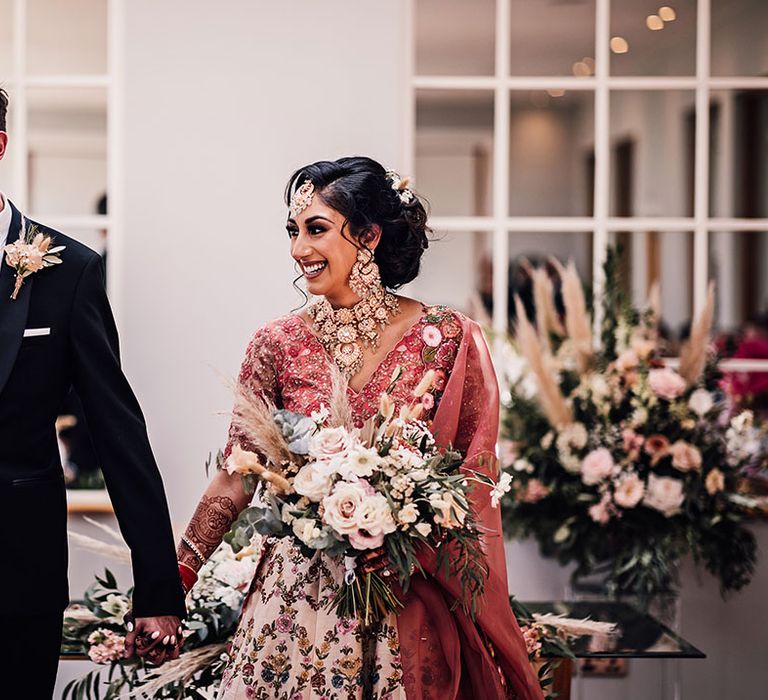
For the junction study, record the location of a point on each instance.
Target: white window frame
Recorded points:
(20, 81)
(601, 224)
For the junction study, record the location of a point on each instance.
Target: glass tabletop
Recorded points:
(637, 635)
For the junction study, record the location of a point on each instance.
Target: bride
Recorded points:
(357, 232)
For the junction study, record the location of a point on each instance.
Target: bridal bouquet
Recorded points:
(368, 497)
(621, 463)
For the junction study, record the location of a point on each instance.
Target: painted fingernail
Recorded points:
(129, 627)
(179, 630)
(173, 639)
(155, 635)
(165, 639)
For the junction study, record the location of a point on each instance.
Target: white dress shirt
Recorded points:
(5, 221)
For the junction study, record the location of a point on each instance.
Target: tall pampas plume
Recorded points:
(693, 355)
(574, 627)
(577, 321)
(340, 411)
(550, 397)
(544, 300)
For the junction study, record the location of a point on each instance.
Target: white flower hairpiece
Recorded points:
(401, 186)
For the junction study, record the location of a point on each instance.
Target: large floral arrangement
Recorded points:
(622, 464)
(369, 497)
(96, 629)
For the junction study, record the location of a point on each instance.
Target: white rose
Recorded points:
(328, 443)
(664, 494)
(523, 465)
(408, 514)
(306, 530)
(597, 465)
(701, 402)
(375, 516)
(313, 482)
(341, 507)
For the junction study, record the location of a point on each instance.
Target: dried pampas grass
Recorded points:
(693, 355)
(340, 411)
(118, 552)
(577, 321)
(550, 397)
(573, 627)
(178, 670)
(547, 318)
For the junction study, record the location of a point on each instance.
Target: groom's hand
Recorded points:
(155, 639)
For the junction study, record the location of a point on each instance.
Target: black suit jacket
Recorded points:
(36, 373)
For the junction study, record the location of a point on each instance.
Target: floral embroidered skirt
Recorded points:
(289, 646)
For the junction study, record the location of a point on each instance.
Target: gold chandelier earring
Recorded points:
(365, 278)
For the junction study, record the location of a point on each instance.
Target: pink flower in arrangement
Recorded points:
(628, 490)
(632, 442)
(431, 336)
(532, 642)
(533, 492)
(627, 360)
(685, 456)
(664, 494)
(106, 646)
(428, 401)
(596, 466)
(657, 446)
(666, 383)
(715, 481)
(601, 511)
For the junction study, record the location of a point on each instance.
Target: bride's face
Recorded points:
(324, 254)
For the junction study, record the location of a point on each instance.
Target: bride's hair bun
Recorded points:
(366, 194)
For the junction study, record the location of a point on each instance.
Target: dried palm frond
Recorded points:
(693, 355)
(340, 410)
(653, 304)
(577, 321)
(119, 553)
(179, 670)
(550, 397)
(547, 318)
(252, 418)
(573, 627)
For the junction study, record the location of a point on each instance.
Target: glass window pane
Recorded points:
(652, 152)
(739, 38)
(7, 164)
(739, 153)
(455, 37)
(66, 37)
(456, 270)
(649, 38)
(528, 249)
(6, 40)
(664, 258)
(551, 38)
(551, 143)
(67, 150)
(454, 151)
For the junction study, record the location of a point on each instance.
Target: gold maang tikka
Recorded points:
(344, 332)
(302, 198)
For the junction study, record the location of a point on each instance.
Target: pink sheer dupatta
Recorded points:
(445, 653)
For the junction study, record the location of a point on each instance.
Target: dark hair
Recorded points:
(360, 189)
(3, 109)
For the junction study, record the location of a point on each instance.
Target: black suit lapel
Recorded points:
(13, 312)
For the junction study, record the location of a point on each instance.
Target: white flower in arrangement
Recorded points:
(286, 515)
(361, 462)
(628, 490)
(229, 596)
(424, 529)
(235, 573)
(321, 415)
(313, 481)
(449, 513)
(503, 486)
(419, 475)
(523, 465)
(408, 514)
(546, 441)
(573, 435)
(117, 606)
(701, 402)
(685, 456)
(639, 417)
(329, 443)
(307, 530)
(375, 516)
(742, 422)
(407, 459)
(402, 483)
(596, 466)
(664, 494)
(599, 387)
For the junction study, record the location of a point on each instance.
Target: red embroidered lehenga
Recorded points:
(288, 645)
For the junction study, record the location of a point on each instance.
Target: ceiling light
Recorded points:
(667, 14)
(654, 23)
(619, 44)
(581, 69)
(555, 92)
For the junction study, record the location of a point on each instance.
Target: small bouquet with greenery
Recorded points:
(622, 464)
(368, 497)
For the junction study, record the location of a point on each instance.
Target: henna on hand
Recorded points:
(212, 519)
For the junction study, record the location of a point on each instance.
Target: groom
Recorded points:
(57, 333)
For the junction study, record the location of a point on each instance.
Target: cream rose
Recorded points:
(596, 466)
(408, 514)
(628, 490)
(330, 443)
(666, 383)
(342, 505)
(306, 530)
(664, 494)
(685, 456)
(313, 482)
(374, 516)
(701, 402)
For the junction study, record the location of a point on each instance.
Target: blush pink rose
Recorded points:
(596, 466)
(533, 492)
(601, 512)
(685, 456)
(666, 383)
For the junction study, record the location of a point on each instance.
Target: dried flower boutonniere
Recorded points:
(32, 252)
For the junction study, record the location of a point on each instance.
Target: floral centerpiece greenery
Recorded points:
(622, 464)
